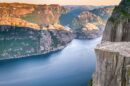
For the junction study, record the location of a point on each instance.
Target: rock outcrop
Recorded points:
(117, 28)
(113, 54)
(87, 25)
(104, 12)
(18, 42)
(30, 15)
(28, 29)
(90, 20)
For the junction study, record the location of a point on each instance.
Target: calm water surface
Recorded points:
(73, 66)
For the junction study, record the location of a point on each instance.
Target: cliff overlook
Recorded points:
(113, 54)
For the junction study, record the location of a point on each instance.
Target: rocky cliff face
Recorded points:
(91, 23)
(86, 21)
(117, 28)
(113, 60)
(104, 12)
(30, 15)
(113, 54)
(28, 29)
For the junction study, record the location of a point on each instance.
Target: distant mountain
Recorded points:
(104, 12)
(73, 11)
(80, 17)
(87, 25)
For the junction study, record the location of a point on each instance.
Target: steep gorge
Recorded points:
(113, 54)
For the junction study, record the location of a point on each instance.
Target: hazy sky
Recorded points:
(68, 2)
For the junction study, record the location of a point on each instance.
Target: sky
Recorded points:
(68, 2)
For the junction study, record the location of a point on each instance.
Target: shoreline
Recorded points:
(29, 56)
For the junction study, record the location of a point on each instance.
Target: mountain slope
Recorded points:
(29, 29)
(80, 17)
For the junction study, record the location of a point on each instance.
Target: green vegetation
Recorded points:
(124, 13)
(120, 13)
(90, 83)
(128, 0)
(112, 19)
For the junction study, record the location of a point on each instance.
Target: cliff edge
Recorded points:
(29, 29)
(113, 54)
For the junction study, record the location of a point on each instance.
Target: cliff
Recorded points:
(28, 29)
(86, 25)
(91, 23)
(30, 15)
(113, 64)
(117, 28)
(104, 12)
(86, 21)
(113, 54)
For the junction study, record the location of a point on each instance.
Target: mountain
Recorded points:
(78, 18)
(29, 29)
(86, 25)
(97, 18)
(30, 15)
(104, 12)
(113, 54)
(73, 11)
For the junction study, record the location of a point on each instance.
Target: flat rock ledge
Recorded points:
(123, 48)
(113, 64)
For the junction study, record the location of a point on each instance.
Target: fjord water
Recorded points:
(72, 66)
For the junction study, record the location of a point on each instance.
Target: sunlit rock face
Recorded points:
(90, 20)
(86, 25)
(113, 54)
(28, 29)
(29, 15)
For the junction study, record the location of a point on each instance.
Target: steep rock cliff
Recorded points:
(113, 60)
(113, 54)
(28, 29)
(117, 28)
(30, 15)
(18, 42)
(91, 23)
(87, 25)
